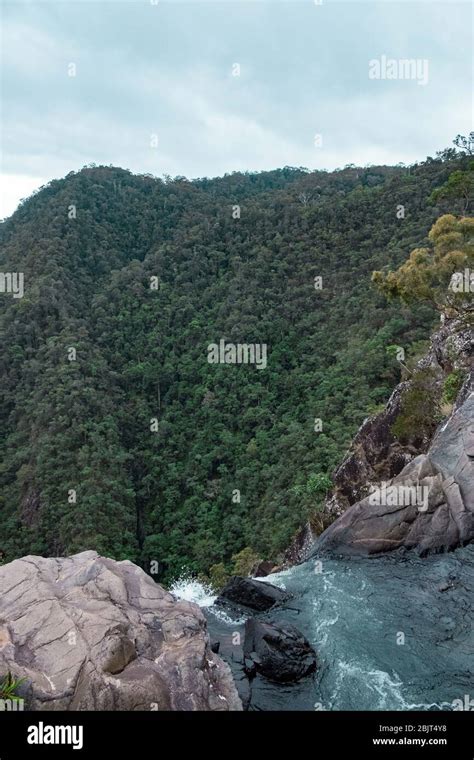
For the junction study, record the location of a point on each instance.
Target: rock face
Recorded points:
(248, 592)
(277, 651)
(89, 633)
(377, 456)
(375, 453)
(373, 445)
(300, 547)
(433, 495)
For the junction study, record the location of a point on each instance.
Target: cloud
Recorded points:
(167, 69)
(16, 187)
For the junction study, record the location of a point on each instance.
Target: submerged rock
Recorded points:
(90, 633)
(248, 592)
(277, 651)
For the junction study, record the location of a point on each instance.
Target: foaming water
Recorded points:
(224, 616)
(191, 590)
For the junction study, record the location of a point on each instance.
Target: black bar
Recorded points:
(131, 735)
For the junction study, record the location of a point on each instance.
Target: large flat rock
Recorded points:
(90, 633)
(444, 521)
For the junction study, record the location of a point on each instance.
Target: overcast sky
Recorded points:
(151, 68)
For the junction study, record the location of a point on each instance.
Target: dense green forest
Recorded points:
(117, 433)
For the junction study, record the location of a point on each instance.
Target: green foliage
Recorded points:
(317, 484)
(427, 274)
(392, 351)
(459, 189)
(9, 686)
(218, 576)
(244, 561)
(420, 411)
(85, 425)
(452, 385)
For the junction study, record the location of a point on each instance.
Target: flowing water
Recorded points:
(390, 633)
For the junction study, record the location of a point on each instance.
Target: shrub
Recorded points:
(218, 576)
(244, 561)
(9, 686)
(420, 411)
(452, 385)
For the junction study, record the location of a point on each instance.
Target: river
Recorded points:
(390, 633)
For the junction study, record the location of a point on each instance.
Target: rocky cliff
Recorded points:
(382, 469)
(428, 506)
(377, 456)
(89, 633)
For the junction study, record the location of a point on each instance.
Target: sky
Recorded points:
(204, 88)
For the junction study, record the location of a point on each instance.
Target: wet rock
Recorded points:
(248, 592)
(89, 633)
(244, 689)
(277, 651)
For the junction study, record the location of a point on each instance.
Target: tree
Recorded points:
(459, 187)
(465, 144)
(216, 472)
(431, 274)
(244, 561)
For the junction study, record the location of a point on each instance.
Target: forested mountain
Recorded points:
(117, 433)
